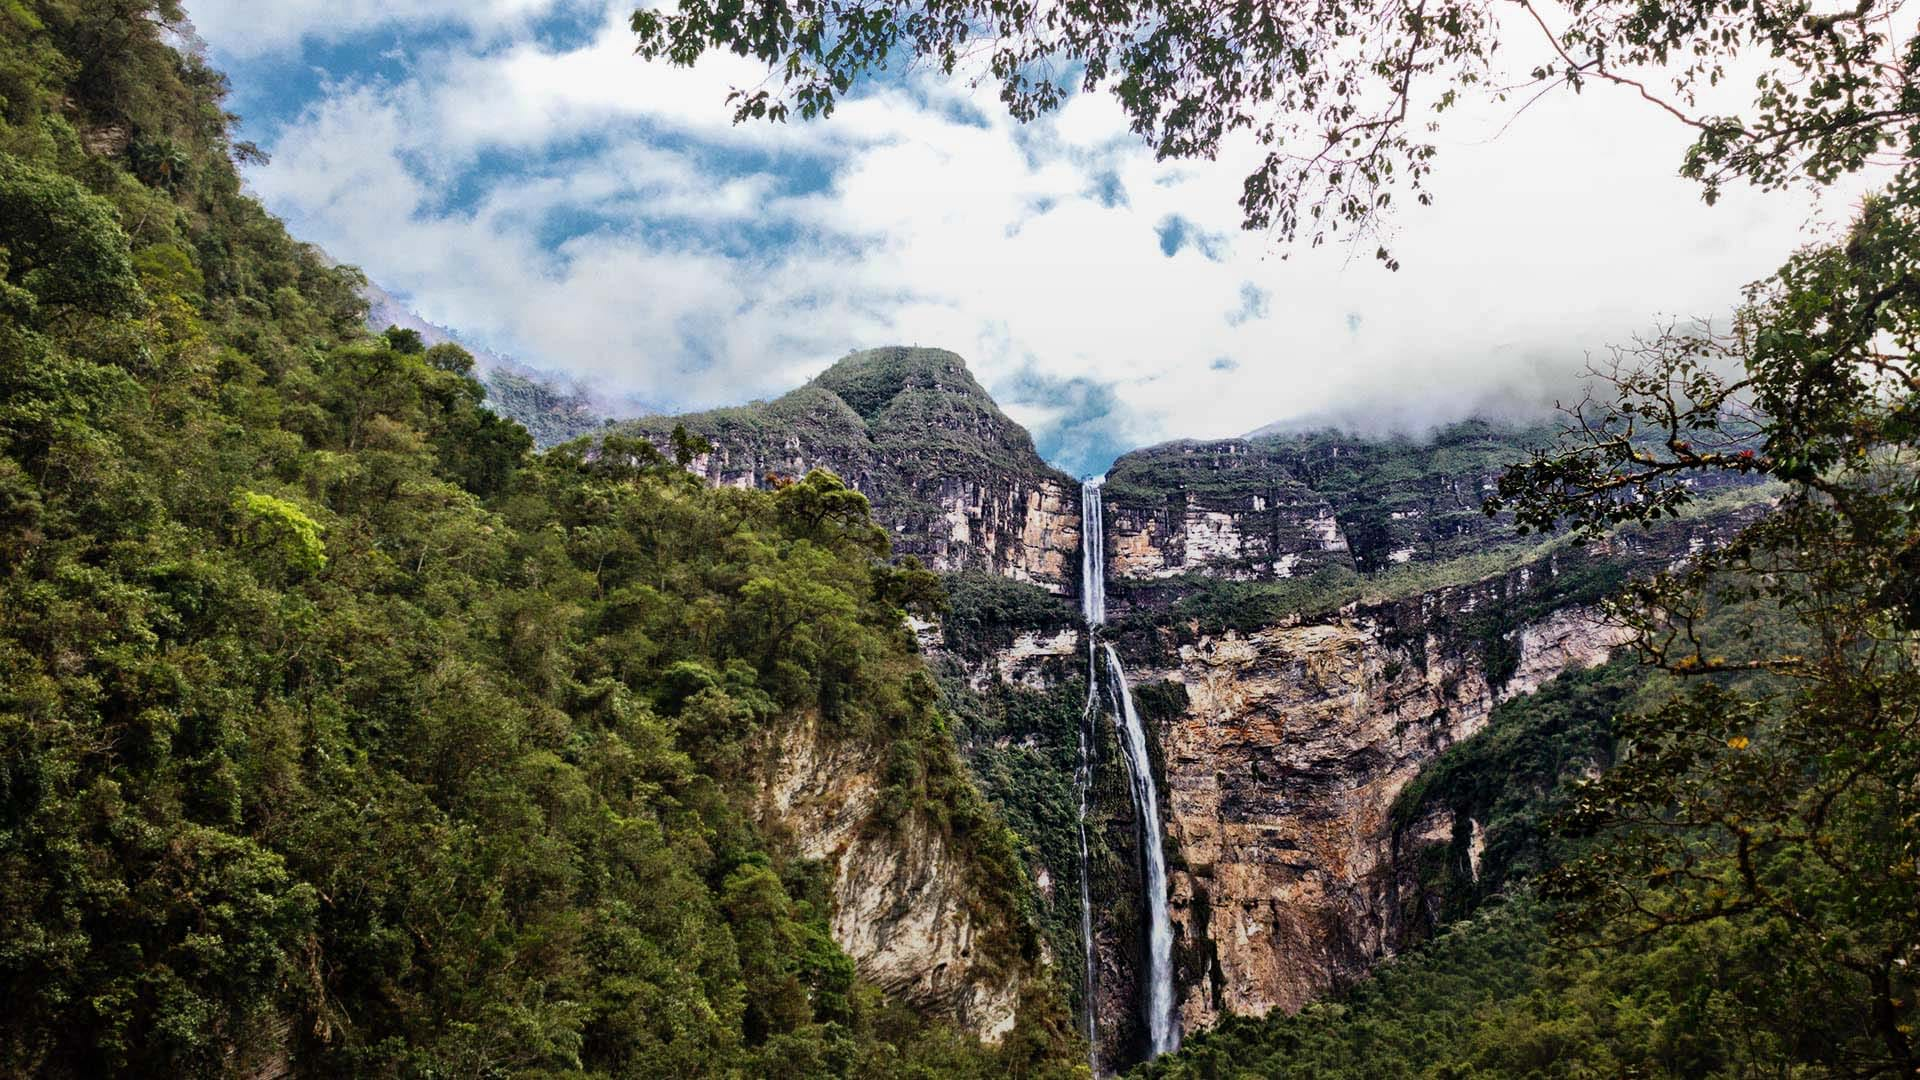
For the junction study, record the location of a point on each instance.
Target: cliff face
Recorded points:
(1281, 774)
(1223, 509)
(1280, 506)
(1283, 766)
(957, 483)
(904, 903)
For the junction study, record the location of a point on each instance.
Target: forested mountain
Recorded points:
(341, 735)
(551, 408)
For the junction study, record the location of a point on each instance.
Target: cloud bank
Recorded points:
(557, 199)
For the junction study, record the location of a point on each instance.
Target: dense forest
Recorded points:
(340, 733)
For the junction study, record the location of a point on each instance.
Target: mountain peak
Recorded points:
(869, 380)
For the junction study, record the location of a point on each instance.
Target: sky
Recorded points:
(514, 172)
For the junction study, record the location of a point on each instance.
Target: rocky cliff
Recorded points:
(1281, 506)
(906, 905)
(957, 483)
(1292, 742)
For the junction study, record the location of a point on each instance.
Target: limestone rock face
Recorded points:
(1281, 775)
(1029, 660)
(954, 481)
(901, 898)
(1283, 533)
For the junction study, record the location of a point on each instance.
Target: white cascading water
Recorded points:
(1163, 1035)
(1093, 553)
(1093, 594)
(1084, 777)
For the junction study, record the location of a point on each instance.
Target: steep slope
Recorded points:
(954, 481)
(342, 735)
(551, 409)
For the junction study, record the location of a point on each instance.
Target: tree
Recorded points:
(687, 446)
(62, 245)
(1345, 95)
(1770, 813)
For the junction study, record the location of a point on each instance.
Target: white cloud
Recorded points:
(705, 279)
(251, 28)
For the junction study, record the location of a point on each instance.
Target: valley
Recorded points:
(1300, 624)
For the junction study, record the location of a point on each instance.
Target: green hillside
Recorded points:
(340, 734)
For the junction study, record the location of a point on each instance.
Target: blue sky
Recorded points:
(515, 173)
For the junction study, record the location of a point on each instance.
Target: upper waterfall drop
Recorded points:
(1093, 553)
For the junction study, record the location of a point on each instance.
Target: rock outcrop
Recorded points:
(903, 900)
(955, 481)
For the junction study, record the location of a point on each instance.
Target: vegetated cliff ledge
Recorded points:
(955, 481)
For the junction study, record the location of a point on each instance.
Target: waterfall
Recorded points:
(1093, 554)
(1084, 778)
(1157, 1003)
(1093, 593)
(1161, 1032)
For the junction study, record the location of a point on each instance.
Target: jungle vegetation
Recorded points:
(341, 733)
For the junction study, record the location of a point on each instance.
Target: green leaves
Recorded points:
(62, 244)
(280, 530)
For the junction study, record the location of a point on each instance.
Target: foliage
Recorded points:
(985, 611)
(282, 527)
(1783, 808)
(551, 415)
(341, 734)
(1344, 96)
(1022, 745)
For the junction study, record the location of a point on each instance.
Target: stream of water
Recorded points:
(1157, 1008)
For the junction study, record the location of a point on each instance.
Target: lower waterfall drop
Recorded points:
(1157, 1005)
(1162, 1034)
(1083, 777)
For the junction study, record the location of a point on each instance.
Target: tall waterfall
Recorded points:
(1163, 1034)
(1093, 598)
(1084, 778)
(1093, 554)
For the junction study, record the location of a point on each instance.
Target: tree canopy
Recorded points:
(342, 735)
(1345, 96)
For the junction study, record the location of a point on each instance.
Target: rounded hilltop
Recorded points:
(870, 380)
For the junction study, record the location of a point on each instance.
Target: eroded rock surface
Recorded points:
(903, 903)
(1281, 775)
